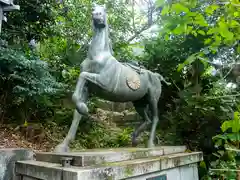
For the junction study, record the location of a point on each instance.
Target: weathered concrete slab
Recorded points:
(99, 156)
(8, 157)
(114, 170)
(140, 167)
(186, 172)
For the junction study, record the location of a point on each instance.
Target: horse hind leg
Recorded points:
(153, 99)
(142, 110)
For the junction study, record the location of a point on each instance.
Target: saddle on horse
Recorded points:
(135, 65)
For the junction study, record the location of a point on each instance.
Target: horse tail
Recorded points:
(161, 78)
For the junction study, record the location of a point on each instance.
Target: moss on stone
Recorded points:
(128, 172)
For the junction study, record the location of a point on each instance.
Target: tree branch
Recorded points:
(145, 27)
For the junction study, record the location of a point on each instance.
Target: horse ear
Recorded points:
(105, 7)
(94, 4)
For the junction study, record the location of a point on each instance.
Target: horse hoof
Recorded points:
(134, 143)
(61, 148)
(82, 108)
(150, 145)
(134, 140)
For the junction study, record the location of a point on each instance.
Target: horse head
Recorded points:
(99, 16)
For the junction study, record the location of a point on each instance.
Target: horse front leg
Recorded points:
(84, 78)
(81, 95)
(64, 146)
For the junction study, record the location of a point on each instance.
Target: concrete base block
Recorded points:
(114, 164)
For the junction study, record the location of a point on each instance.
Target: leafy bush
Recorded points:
(25, 80)
(227, 158)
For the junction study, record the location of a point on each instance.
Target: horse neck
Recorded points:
(100, 42)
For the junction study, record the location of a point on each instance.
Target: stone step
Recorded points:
(112, 106)
(128, 124)
(172, 166)
(99, 156)
(119, 117)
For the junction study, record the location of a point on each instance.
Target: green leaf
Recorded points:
(165, 10)
(207, 41)
(234, 136)
(189, 29)
(203, 165)
(179, 30)
(236, 14)
(217, 41)
(234, 23)
(233, 124)
(214, 49)
(238, 49)
(224, 31)
(219, 137)
(200, 20)
(192, 14)
(221, 153)
(166, 37)
(236, 115)
(229, 35)
(178, 8)
(189, 60)
(203, 61)
(160, 3)
(194, 33)
(217, 155)
(201, 32)
(219, 142)
(211, 31)
(226, 125)
(210, 9)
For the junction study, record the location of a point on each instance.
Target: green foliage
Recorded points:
(29, 76)
(32, 21)
(25, 80)
(219, 24)
(228, 145)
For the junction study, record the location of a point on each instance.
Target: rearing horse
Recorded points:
(102, 75)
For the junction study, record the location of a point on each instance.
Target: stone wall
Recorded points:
(118, 114)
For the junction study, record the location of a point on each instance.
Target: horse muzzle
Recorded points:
(99, 22)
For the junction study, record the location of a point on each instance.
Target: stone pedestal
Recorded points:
(8, 158)
(159, 163)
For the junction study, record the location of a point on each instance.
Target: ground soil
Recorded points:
(9, 138)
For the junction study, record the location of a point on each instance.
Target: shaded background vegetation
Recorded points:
(196, 48)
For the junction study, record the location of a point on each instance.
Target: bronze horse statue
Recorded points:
(105, 77)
